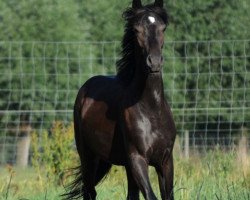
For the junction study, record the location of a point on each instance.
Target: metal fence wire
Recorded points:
(207, 84)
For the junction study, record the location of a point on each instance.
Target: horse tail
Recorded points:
(74, 189)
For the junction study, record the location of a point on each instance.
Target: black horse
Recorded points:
(125, 120)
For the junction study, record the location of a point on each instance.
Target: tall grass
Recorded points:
(215, 175)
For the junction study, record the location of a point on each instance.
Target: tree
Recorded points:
(29, 80)
(213, 73)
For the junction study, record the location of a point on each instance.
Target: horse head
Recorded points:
(149, 23)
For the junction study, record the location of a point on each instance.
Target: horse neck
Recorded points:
(148, 88)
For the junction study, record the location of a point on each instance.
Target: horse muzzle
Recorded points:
(154, 63)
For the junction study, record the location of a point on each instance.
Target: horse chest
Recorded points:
(147, 132)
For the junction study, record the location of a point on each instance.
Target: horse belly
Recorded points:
(100, 133)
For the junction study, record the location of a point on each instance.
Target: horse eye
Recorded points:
(162, 28)
(138, 29)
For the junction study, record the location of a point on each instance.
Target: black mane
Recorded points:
(126, 65)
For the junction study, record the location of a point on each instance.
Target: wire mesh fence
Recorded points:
(207, 84)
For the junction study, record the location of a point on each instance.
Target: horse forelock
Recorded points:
(130, 14)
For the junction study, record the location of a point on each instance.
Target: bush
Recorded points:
(54, 152)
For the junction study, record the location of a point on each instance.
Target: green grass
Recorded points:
(216, 175)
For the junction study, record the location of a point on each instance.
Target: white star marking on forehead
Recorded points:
(151, 19)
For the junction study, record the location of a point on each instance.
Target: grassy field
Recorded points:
(216, 175)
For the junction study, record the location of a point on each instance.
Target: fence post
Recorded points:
(186, 144)
(243, 152)
(23, 146)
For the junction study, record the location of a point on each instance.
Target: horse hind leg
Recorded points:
(84, 184)
(93, 170)
(88, 170)
(102, 170)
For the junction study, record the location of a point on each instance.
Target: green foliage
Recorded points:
(221, 167)
(34, 68)
(207, 78)
(45, 20)
(208, 20)
(25, 66)
(105, 18)
(53, 152)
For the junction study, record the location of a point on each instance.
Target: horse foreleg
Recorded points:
(139, 170)
(165, 177)
(133, 190)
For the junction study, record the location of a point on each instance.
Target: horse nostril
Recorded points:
(154, 61)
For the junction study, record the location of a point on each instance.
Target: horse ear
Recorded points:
(159, 3)
(136, 4)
